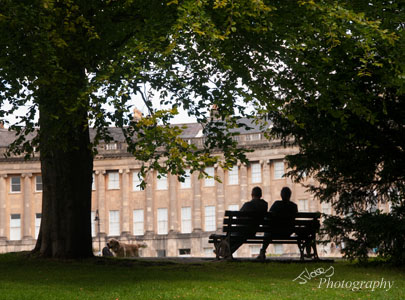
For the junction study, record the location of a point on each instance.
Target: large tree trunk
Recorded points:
(67, 165)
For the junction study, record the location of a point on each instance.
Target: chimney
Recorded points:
(214, 114)
(137, 114)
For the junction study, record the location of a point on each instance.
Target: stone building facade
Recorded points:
(173, 218)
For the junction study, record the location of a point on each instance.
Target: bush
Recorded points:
(362, 233)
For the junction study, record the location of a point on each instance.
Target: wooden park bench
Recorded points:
(251, 228)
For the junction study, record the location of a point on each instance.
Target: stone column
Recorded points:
(173, 226)
(173, 220)
(243, 192)
(271, 176)
(196, 210)
(27, 232)
(196, 245)
(220, 198)
(266, 181)
(149, 220)
(3, 191)
(125, 231)
(101, 201)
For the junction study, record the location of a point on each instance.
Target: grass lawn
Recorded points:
(31, 278)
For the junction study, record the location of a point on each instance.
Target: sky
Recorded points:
(136, 101)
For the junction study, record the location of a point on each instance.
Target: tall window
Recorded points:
(278, 169)
(38, 183)
(186, 220)
(233, 175)
(303, 205)
(15, 184)
(162, 221)
(114, 222)
(15, 227)
(93, 182)
(113, 180)
(161, 182)
(210, 181)
(38, 217)
(210, 218)
(256, 169)
(138, 222)
(93, 224)
(187, 180)
(136, 182)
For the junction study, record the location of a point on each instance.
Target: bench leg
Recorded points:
(222, 248)
(314, 251)
(310, 247)
(301, 247)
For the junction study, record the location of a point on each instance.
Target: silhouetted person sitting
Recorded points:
(282, 221)
(257, 204)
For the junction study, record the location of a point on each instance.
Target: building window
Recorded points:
(234, 207)
(256, 169)
(114, 224)
(208, 252)
(38, 183)
(254, 137)
(210, 181)
(138, 222)
(186, 220)
(161, 253)
(15, 227)
(15, 184)
(38, 217)
(113, 181)
(185, 252)
(278, 249)
(162, 221)
(236, 138)
(278, 169)
(187, 180)
(93, 224)
(303, 205)
(255, 250)
(210, 218)
(233, 175)
(326, 208)
(161, 183)
(112, 146)
(136, 182)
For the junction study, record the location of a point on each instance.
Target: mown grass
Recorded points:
(22, 278)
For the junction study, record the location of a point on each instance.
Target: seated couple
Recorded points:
(283, 210)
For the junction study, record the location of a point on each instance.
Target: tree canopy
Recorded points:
(328, 75)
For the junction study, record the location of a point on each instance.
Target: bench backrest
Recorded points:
(251, 222)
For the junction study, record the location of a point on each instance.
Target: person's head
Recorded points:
(256, 193)
(285, 193)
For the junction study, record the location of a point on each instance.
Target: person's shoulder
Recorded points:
(276, 204)
(293, 206)
(263, 202)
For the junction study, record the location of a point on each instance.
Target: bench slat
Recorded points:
(250, 228)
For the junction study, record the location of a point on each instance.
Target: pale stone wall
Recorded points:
(125, 199)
